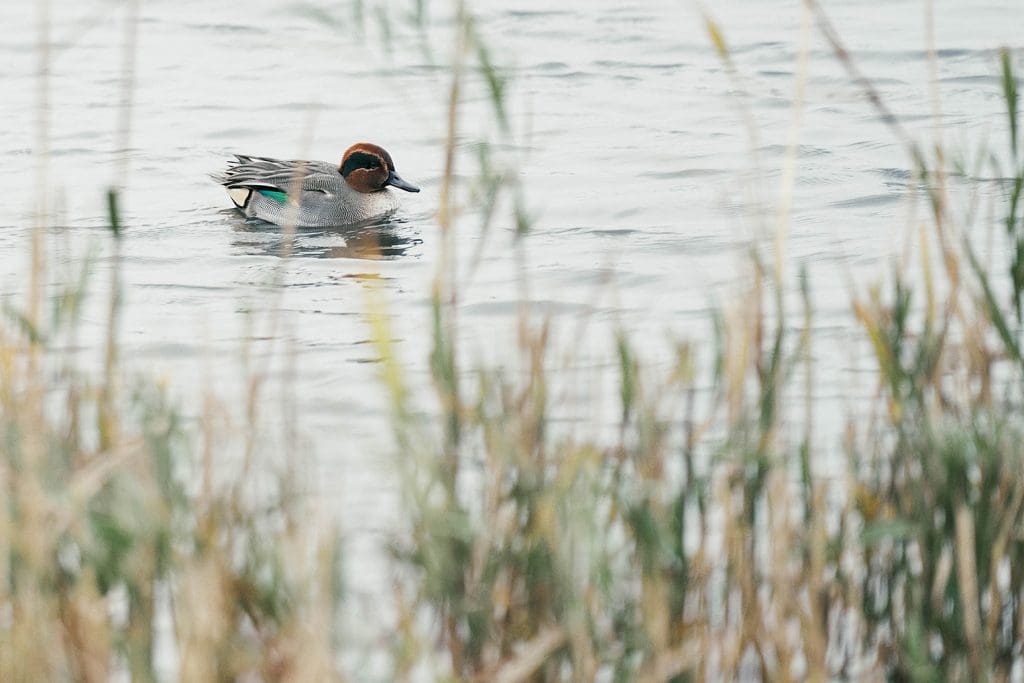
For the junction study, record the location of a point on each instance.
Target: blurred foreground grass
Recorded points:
(123, 542)
(699, 543)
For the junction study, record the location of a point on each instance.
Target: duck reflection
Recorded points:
(381, 238)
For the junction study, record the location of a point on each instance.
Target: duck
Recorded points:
(315, 193)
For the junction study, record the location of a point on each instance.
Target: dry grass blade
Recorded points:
(531, 656)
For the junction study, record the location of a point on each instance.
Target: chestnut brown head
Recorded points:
(368, 168)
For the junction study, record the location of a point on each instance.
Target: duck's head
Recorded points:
(368, 168)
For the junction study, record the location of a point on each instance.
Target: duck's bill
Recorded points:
(394, 180)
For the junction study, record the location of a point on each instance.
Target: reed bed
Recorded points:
(701, 543)
(694, 540)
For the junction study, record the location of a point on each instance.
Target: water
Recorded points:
(635, 158)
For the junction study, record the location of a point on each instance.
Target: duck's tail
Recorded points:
(241, 196)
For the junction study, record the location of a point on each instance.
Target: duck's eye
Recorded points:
(358, 160)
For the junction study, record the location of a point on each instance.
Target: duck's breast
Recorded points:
(344, 206)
